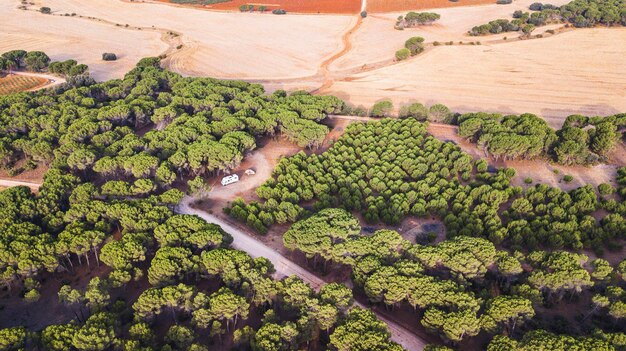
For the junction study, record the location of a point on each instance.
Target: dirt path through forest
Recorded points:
(245, 241)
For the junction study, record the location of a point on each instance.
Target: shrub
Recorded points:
(568, 178)
(382, 109)
(45, 10)
(504, 2)
(537, 6)
(279, 12)
(415, 45)
(363, 14)
(528, 180)
(109, 56)
(605, 189)
(403, 54)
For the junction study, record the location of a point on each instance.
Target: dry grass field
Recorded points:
(377, 40)
(227, 44)
(81, 39)
(553, 77)
(297, 6)
(14, 84)
(375, 6)
(579, 71)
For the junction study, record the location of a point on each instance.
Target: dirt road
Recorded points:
(285, 267)
(11, 183)
(52, 80)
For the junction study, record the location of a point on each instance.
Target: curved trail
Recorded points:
(243, 240)
(347, 46)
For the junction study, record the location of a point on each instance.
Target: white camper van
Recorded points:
(230, 179)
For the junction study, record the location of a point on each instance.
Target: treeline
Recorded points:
(38, 61)
(392, 168)
(462, 287)
(413, 19)
(580, 13)
(581, 141)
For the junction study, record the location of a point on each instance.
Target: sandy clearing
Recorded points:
(377, 40)
(551, 77)
(64, 38)
(229, 45)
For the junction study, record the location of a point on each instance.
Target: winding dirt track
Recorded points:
(243, 240)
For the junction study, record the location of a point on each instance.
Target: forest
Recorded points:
(499, 279)
(122, 154)
(108, 200)
(390, 169)
(465, 287)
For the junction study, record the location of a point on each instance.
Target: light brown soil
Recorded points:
(63, 38)
(297, 6)
(548, 77)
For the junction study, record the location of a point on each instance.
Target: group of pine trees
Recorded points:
(108, 200)
(581, 141)
(580, 13)
(392, 168)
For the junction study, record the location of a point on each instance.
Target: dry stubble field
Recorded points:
(580, 71)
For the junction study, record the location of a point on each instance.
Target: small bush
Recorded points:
(45, 10)
(528, 180)
(436, 43)
(504, 2)
(403, 54)
(363, 14)
(568, 178)
(605, 189)
(279, 12)
(109, 56)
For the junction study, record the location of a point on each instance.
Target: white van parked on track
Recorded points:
(230, 179)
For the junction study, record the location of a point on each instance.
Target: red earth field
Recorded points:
(298, 6)
(407, 5)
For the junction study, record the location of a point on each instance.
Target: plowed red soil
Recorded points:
(407, 5)
(297, 6)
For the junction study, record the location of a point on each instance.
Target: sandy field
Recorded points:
(228, 45)
(551, 77)
(378, 32)
(297, 6)
(63, 38)
(374, 6)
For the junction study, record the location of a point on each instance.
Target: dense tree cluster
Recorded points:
(580, 13)
(91, 128)
(34, 61)
(581, 140)
(390, 169)
(413, 19)
(449, 284)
